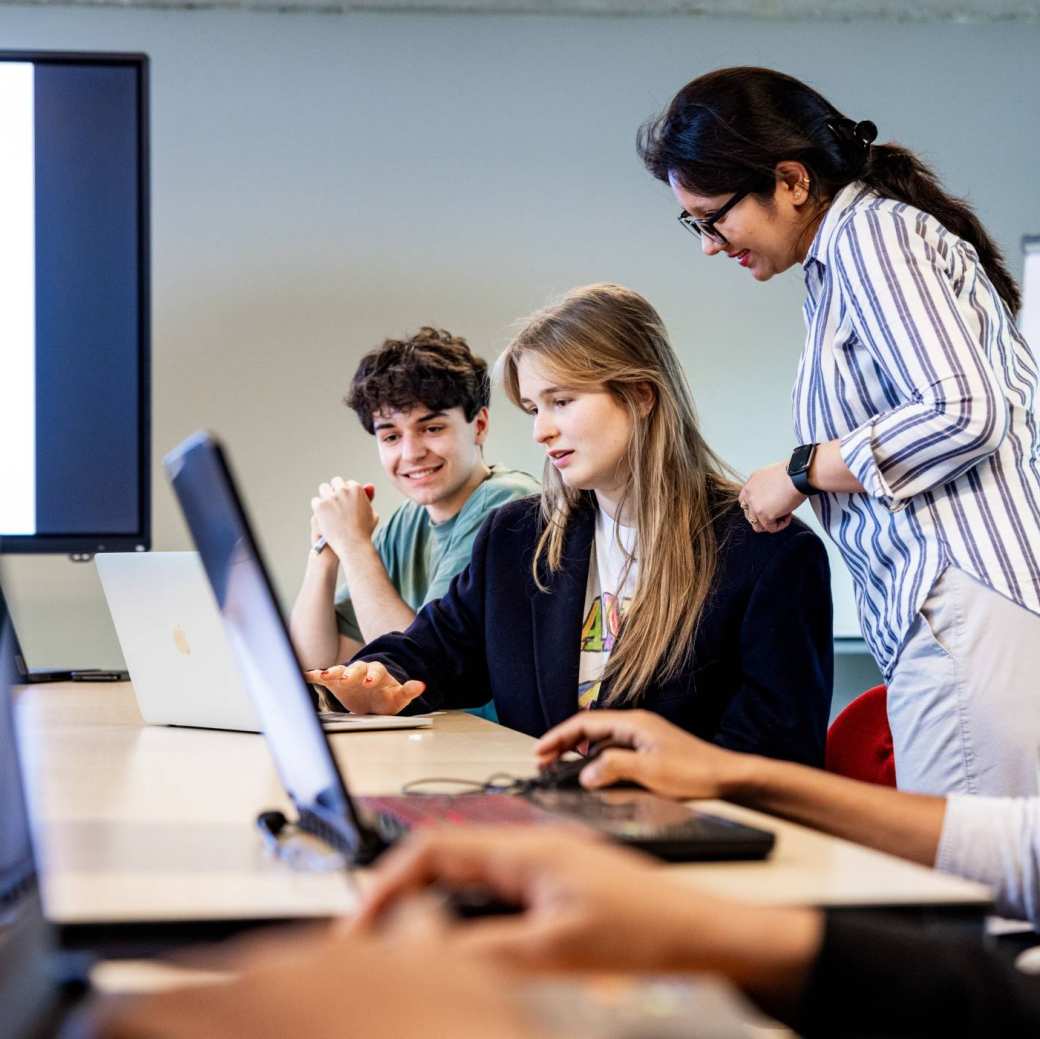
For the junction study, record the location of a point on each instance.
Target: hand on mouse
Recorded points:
(366, 687)
(644, 749)
(565, 773)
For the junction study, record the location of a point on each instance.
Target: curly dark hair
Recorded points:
(432, 367)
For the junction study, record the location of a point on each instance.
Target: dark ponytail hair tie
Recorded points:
(866, 132)
(856, 139)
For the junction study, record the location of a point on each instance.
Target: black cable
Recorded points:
(492, 785)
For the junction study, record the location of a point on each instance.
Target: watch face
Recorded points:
(800, 458)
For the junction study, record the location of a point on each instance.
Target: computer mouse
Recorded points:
(563, 774)
(472, 903)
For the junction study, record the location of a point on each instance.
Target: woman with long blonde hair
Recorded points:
(632, 580)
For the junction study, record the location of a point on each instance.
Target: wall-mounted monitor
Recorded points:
(74, 303)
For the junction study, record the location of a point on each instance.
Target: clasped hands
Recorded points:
(342, 514)
(769, 499)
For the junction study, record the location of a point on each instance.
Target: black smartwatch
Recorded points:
(798, 468)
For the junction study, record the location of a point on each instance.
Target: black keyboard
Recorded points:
(666, 829)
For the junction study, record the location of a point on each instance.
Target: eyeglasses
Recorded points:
(706, 226)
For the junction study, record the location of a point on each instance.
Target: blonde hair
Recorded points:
(608, 337)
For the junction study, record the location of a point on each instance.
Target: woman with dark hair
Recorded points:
(914, 406)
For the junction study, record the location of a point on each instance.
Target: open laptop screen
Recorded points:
(256, 630)
(26, 977)
(17, 869)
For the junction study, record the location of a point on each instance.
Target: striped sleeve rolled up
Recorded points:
(927, 335)
(913, 361)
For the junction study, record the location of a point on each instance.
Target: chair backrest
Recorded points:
(859, 741)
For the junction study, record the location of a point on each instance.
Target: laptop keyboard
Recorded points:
(396, 815)
(666, 829)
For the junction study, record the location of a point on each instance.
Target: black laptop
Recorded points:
(22, 674)
(364, 827)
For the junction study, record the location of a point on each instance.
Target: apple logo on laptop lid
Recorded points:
(180, 640)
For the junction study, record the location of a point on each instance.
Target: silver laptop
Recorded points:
(176, 651)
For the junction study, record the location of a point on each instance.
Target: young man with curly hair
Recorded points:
(425, 400)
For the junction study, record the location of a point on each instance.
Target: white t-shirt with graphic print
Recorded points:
(605, 602)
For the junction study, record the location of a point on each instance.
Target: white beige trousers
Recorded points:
(964, 699)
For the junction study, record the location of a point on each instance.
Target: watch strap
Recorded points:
(798, 469)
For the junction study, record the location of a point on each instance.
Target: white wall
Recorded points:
(320, 181)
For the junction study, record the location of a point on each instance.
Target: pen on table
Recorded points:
(319, 545)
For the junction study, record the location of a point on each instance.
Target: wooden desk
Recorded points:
(140, 823)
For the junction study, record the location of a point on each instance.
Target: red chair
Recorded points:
(859, 741)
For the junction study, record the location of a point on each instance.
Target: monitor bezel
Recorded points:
(139, 540)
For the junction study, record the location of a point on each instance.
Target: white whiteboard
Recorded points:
(1029, 318)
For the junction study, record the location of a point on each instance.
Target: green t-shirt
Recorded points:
(421, 557)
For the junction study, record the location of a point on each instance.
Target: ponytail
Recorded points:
(897, 173)
(728, 130)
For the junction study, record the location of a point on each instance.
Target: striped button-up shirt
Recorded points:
(915, 363)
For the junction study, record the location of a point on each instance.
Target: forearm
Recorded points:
(312, 623)
(377, 604)
(446, 645)
(828, 471)
(907, 825)
(767, 952)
